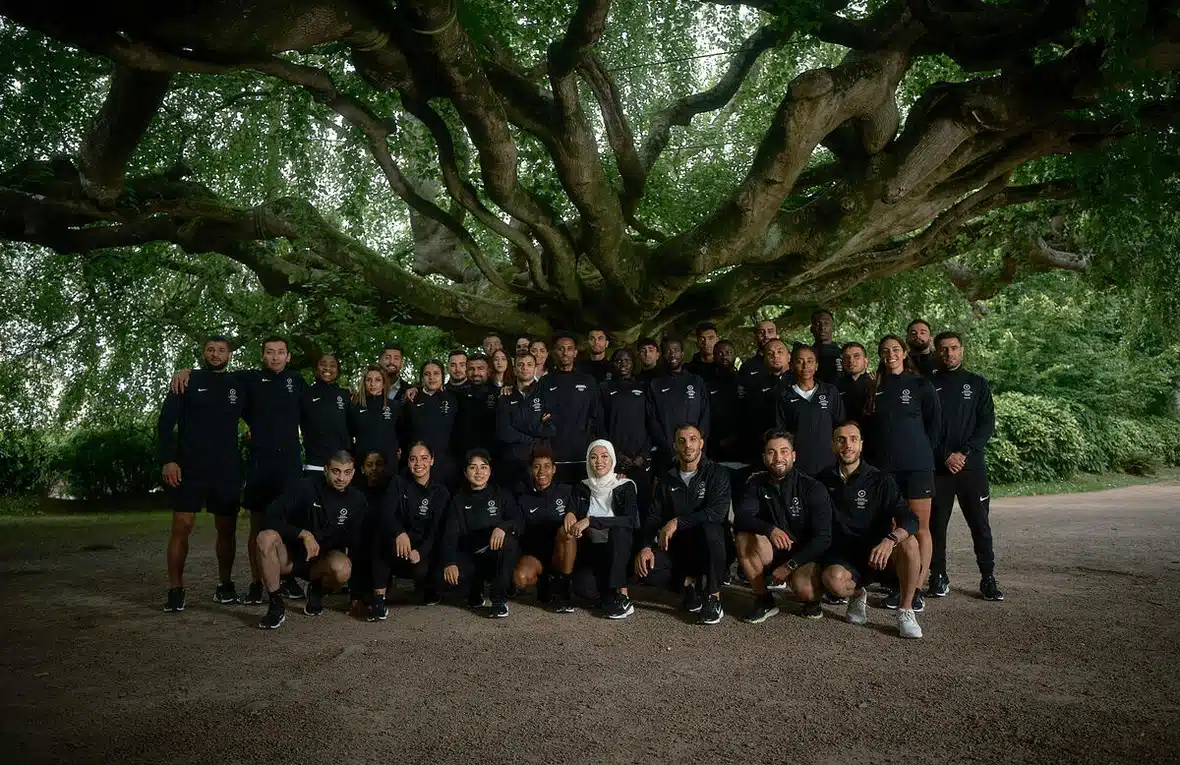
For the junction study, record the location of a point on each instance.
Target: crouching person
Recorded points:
(479, 541)
(306, 533)
(410, 524)
(546, 550)
(606, 514)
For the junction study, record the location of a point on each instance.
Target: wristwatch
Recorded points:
(893, 538)
(792, 565)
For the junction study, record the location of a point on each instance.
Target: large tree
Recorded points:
(546, 163)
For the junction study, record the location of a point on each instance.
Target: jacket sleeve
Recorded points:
(715, 507)
(510, 518)
(449, 551)
(706, 419)
(626, 508)
(391, 522)
(596, 427)
(903, 516)
(932, 417)
(985, 420)
(167, 426)
(436, 526)
(279, 512)
(820, 507)
(357, 525)
(839, 414)
(506, 431)
(745, 515)
(651, 523)
(655, 428)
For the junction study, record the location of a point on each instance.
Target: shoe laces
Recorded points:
(907, 616)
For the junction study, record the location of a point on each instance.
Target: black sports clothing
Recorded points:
(914, 484)
(672, 400)
(624, 505)
(475, 428)
(968, 416)
(830, 361)
(974, 495)
(576, 407)
(375, 425)
(218, 495)
(925, 363)
(542, 512)
(758, 394)
(811, 422)
(520, 425)
(601, 369)
(471, 518)
(725, 428)
(855, 393)
(902, 431)
(705, 369)
(430, 418)
(624, 417)
(323, 420)
(416, 510)
(798, 504)
(701, 508)
(693, 552)
(865, 507)
(333, 517)
(272, 412)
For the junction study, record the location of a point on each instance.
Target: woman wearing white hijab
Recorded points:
(606, 514)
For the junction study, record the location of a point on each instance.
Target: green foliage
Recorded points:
(99, 462)
(1036, 439)
(26, 462)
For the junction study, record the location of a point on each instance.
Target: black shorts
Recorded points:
(915, 484)
(266, 482)
(219, 496)
(540, 540)
(297, 554)
(852, 553)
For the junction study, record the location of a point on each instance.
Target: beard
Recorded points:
(216, 367)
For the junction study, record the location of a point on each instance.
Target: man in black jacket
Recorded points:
(197, 445)
(703, 363)
(323, 415)
(675, 398)
(684, 531)
(597, 363)
(783, 525)
(827, 353)
(576, 407)
(307, 532)
(921, 346)
(758, 392)
(856, 384)
(809, 409)
(968, 420)
(475, 425)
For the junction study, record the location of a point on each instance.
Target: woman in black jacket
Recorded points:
(373, 419)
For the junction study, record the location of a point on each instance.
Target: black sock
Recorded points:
(276, 595)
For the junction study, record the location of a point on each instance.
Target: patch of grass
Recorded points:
(1083, 482)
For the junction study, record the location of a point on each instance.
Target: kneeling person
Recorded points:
(872, 527)
(306, 533)
(783, 525)
(546, 550)
(603, 524)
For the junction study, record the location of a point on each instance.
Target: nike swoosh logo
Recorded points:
(201, 390)
(466, 507)
(314, 400)
(553, 389)
(316, 504)
(793, 400)
(265, 380)
(364, 410)
(938, 389)
(984, 497)
(664, 390)
(881, 393)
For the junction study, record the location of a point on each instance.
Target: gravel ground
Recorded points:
(1079, 665)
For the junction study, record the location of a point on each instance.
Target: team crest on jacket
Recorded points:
(966, 392)
(862, 499)
(905, 396)
(823, 401)
(445, 407)
(233, 395)
(343, 517)
(560, 505)
(492, 509)
(424, 507)
(386, 413)
(691, 392)
(536, 405)
(741, 391)
(581, 388)
(491, 401)
(701, 491)
(637, 392)
(795, 508)
(290, 385)
(340, 402)
(839, 364)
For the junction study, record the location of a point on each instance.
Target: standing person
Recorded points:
(921, 347)
(724, 442)
(902, 438)
(764, 332)
(546, 550)
(501, 374)
(323, 415)
(702, 362)
(479, 541)
(606, 514)
(308, 528)
(676, 398)
(523, 419)
(457, 371)
(540, 351)
(759, 394)
(650, 365)
(475, 426)
(523, 343)
(856, 384)
(430, 418)
(596, 364)
(783, 525)
(374, 419)
(810, 409)
(624, 405)
(409, 528)
(491, 344)
(684, 533)
(828, 354)
(576, 407)
(872, 528)
(197, 447)
(391, 361)
(968, 421)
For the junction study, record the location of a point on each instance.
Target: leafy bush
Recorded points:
(26, 462)
(1037, 439)
(106, 462)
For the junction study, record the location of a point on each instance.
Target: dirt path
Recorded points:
(1079, 665)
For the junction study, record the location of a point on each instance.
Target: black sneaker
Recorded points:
(711, 611)
(378, 611)
(832, 600)
(812, 610)
(226, 594)
(619, 607)
(989, 589)
(544, 589)
(254, 595)
(764, 608)
(939, 586)
(175, 602)
(692, 599)
(475, 598)
(499, 609)
(276, 614)
(919, 603)
(430, 597)
(291, 589)
(726, 579)
(315, 600)
(892, 600)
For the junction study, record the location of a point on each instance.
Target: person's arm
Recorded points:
(356, 524)
(167, 426)
(836, 403)
(596, 425)
(655, 427)
(391, 522)
(715, 507)
(436, 525)
(705, 422)
(506, 430)
(985, 420)
(280, 511)
(819, 507)
(655, 515)
(903, 516)
(625, 505)
(449, 550)
(511, 521)
(745, 515)
(932, 417)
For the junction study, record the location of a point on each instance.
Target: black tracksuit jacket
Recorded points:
(198, 429)
(724, 416)
(431, 419)
(472, 516)
(673, 400)
(600, 370)
(375, 427)
(855, 394)
(926, 363)
(830, 360)
(518, 422)
(798, 504)
(333, 517)
(323, 419)
(476, 425)
(624, 408)
(576, 407)
(624, 504)
(706, 499)
(903, 428)
(866, 506)
(416, 510)
(542, 507)
(968, 416)
(272, 412)
(811, 423)
(758, 395)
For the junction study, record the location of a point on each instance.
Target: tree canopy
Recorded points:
(330, 167)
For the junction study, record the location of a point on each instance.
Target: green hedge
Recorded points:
(27, 460)
(95, 463)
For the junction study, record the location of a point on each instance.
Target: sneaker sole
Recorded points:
(168, 610)
(933, 594)
(630, 610)
(564, 610)
(376, 618)
(760, 619)
(994, 600)
(711, 622)
(813, 617)
(910, 637)
(696, 610)
(262, 626)
(498, 616)
(857, 622)
(309, 612)
(777, 587)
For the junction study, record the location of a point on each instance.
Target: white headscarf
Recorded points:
(601, 489)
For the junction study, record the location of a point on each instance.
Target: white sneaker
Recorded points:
(857, 612)
(907, 624)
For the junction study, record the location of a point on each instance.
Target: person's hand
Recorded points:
(638, 461)
(451, 575)
(497, 542)
(402, 545)
(956, 462)
(246, 435)
(311, 545)
(411, 394)
(179, 383)
(172, 474)
(644, 562)
(879, 555)
(506, 390)
(624, 462)
(781, 574)
(415, 557)
(780, 539)
(666, 532)
(580, 527)
(568, 522)
(546, 417)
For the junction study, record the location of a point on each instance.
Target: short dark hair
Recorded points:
(643, 341)
(393, 347)
(686, 426)
(821, 312)
(217, 339)
(598, 328)
(669, 339)
(493, 334)
(846, 346)
(456, 352)
(845, 424)
(723, 341)
(562, 334)
(427, 363)
(948, 335)
(774, 433)
(340, 457)
(478, 452)
(910, 326)
(276, 339)
(705, 327)
(478, 357)
(528, 338)
(541, 451)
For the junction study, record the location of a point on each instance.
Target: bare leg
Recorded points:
(907, 559)
(527, 571)
(754, 555)
(182, 527)
(227, 542)
(921, 508)
(331, 570)
(805, 582)
(273, 561)
(252, 548)
(565, 553)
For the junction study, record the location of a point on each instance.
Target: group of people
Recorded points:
(493, 476)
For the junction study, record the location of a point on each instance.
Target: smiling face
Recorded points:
(477, 371)
(542, 471)
(391, 362)
(432, 377)
(327, 369)
(624, 364)
(779, 457)
(892, 355)
(600, 462)
(491, 344)
(216, 354)
(847, 444)
(478, 473)
(275, 355)
(540, 352)
(673, 354)
(421, 460)
(339, 474)
(458, 367)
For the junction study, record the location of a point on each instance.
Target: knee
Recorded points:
(838, 581)
(803, 585)
(340, 569)
(268, 541)
(909, 548)
(524, 577)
